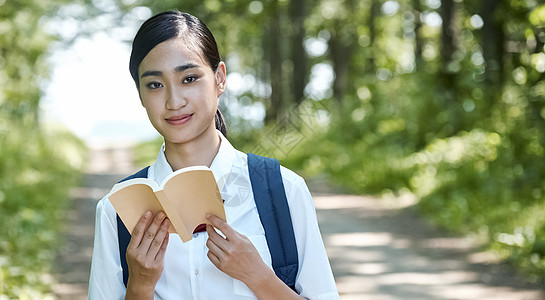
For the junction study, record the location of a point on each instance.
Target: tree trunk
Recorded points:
(341, 48)
(340, 56)
(373, 13)
(276, 108)
(492, 42)
(448, 34)
(298, 54)
(418, 42)
(447, 72)
(539, 43)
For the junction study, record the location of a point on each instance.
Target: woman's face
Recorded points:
(179, 91)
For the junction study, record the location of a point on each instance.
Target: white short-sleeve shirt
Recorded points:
(187, 272)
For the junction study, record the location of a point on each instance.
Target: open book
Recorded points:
(186, 196)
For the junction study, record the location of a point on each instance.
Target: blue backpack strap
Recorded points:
(123, 235)
(272, 206)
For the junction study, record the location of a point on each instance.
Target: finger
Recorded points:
(220, 224)
(215, 249)
(162, 251)
(151, 231)
(214, 259)
(158, 239)
(139, 229)
(216, 238)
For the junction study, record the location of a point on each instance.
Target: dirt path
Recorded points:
(379, 250)
(106, 167)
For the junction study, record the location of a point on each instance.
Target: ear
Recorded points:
(221, 78)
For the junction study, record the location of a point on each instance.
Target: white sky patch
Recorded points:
(321, 79)
(315, 46)
(239, 84)
(255, 7)
(432, 19)
(476, 21)
(390, 8)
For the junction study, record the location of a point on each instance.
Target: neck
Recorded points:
(198, 152)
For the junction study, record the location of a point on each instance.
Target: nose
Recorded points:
(175, 99)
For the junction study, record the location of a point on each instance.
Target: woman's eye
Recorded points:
(190, 79)
(154, 85)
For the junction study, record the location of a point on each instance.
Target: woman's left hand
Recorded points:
(235, 255)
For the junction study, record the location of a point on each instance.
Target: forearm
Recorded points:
(267, 285)
(138, 292)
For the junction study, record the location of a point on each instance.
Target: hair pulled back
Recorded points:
(176, 24)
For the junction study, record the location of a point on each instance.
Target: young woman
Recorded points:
(179, 76)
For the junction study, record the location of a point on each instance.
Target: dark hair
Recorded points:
(176, 24)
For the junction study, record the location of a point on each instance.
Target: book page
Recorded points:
(145, 181)
(183, 170)
(192, 195)
(176, 224)
(133, 201)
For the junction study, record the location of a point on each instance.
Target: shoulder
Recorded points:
(104, 204)
(105, 212)
(291, 180)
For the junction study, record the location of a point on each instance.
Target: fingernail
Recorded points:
(147, 214)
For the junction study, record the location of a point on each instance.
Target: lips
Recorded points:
(179, 120)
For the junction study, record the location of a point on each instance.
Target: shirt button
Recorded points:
(196, 272)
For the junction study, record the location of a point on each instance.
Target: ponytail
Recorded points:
(220, 123)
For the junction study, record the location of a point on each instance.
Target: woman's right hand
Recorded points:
(145, 255)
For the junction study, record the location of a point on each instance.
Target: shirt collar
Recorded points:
(221, 165)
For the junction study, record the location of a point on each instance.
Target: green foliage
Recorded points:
(37, 166)
(23, 44)
(145, 153)
(37, 169)
(467, 184)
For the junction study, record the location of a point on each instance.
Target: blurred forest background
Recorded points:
(442, 99)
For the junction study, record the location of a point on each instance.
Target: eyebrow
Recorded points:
(177, 69)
